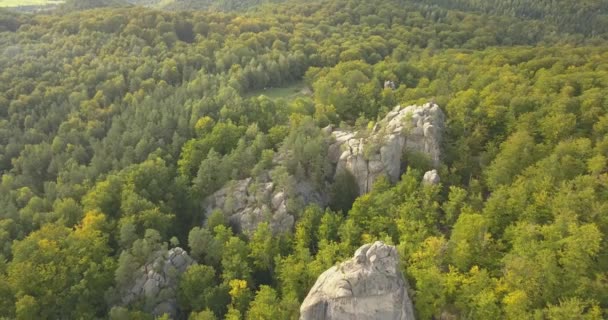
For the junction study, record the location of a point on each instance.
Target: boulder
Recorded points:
(368, 286)
(155, 284)
(388, 84)
(431, 178)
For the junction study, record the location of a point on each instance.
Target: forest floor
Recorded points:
(289, 92)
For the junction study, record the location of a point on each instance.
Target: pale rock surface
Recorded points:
(368, 286)
(246, 204)
(410, 129)
(156, 282)
(431, 178)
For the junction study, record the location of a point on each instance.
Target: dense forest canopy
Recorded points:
(116, 124)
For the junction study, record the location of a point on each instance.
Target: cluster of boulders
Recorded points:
(365, 155)
(156, 283)
(368, 286)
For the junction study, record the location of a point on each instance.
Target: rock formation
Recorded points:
(245, 208)
(246, 203)
(388, 84)
(365, 155)
(156, 283)
(431, 177)
(413, 129)
(368, 286)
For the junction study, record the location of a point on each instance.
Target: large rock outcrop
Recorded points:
(247, 203)
(364, 155)
(155, 284)
(413, 129)
(368, 286)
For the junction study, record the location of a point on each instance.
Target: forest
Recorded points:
(118, 123)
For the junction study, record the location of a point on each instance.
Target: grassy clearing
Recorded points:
(20, 3)
(163, 3)
(289, 92)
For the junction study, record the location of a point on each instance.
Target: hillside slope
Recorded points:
(148, 165)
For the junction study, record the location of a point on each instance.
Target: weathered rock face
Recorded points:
(156, 282)
(246, 204)
(368, 286)
(410, 129)
(431, 178)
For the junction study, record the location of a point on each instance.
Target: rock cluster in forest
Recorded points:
(246, 203)
(368, 286)
(413, 129)
(364, 155)
(156, 282)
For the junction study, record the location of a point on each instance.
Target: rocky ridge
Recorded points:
(368, 286)
(364, 155)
